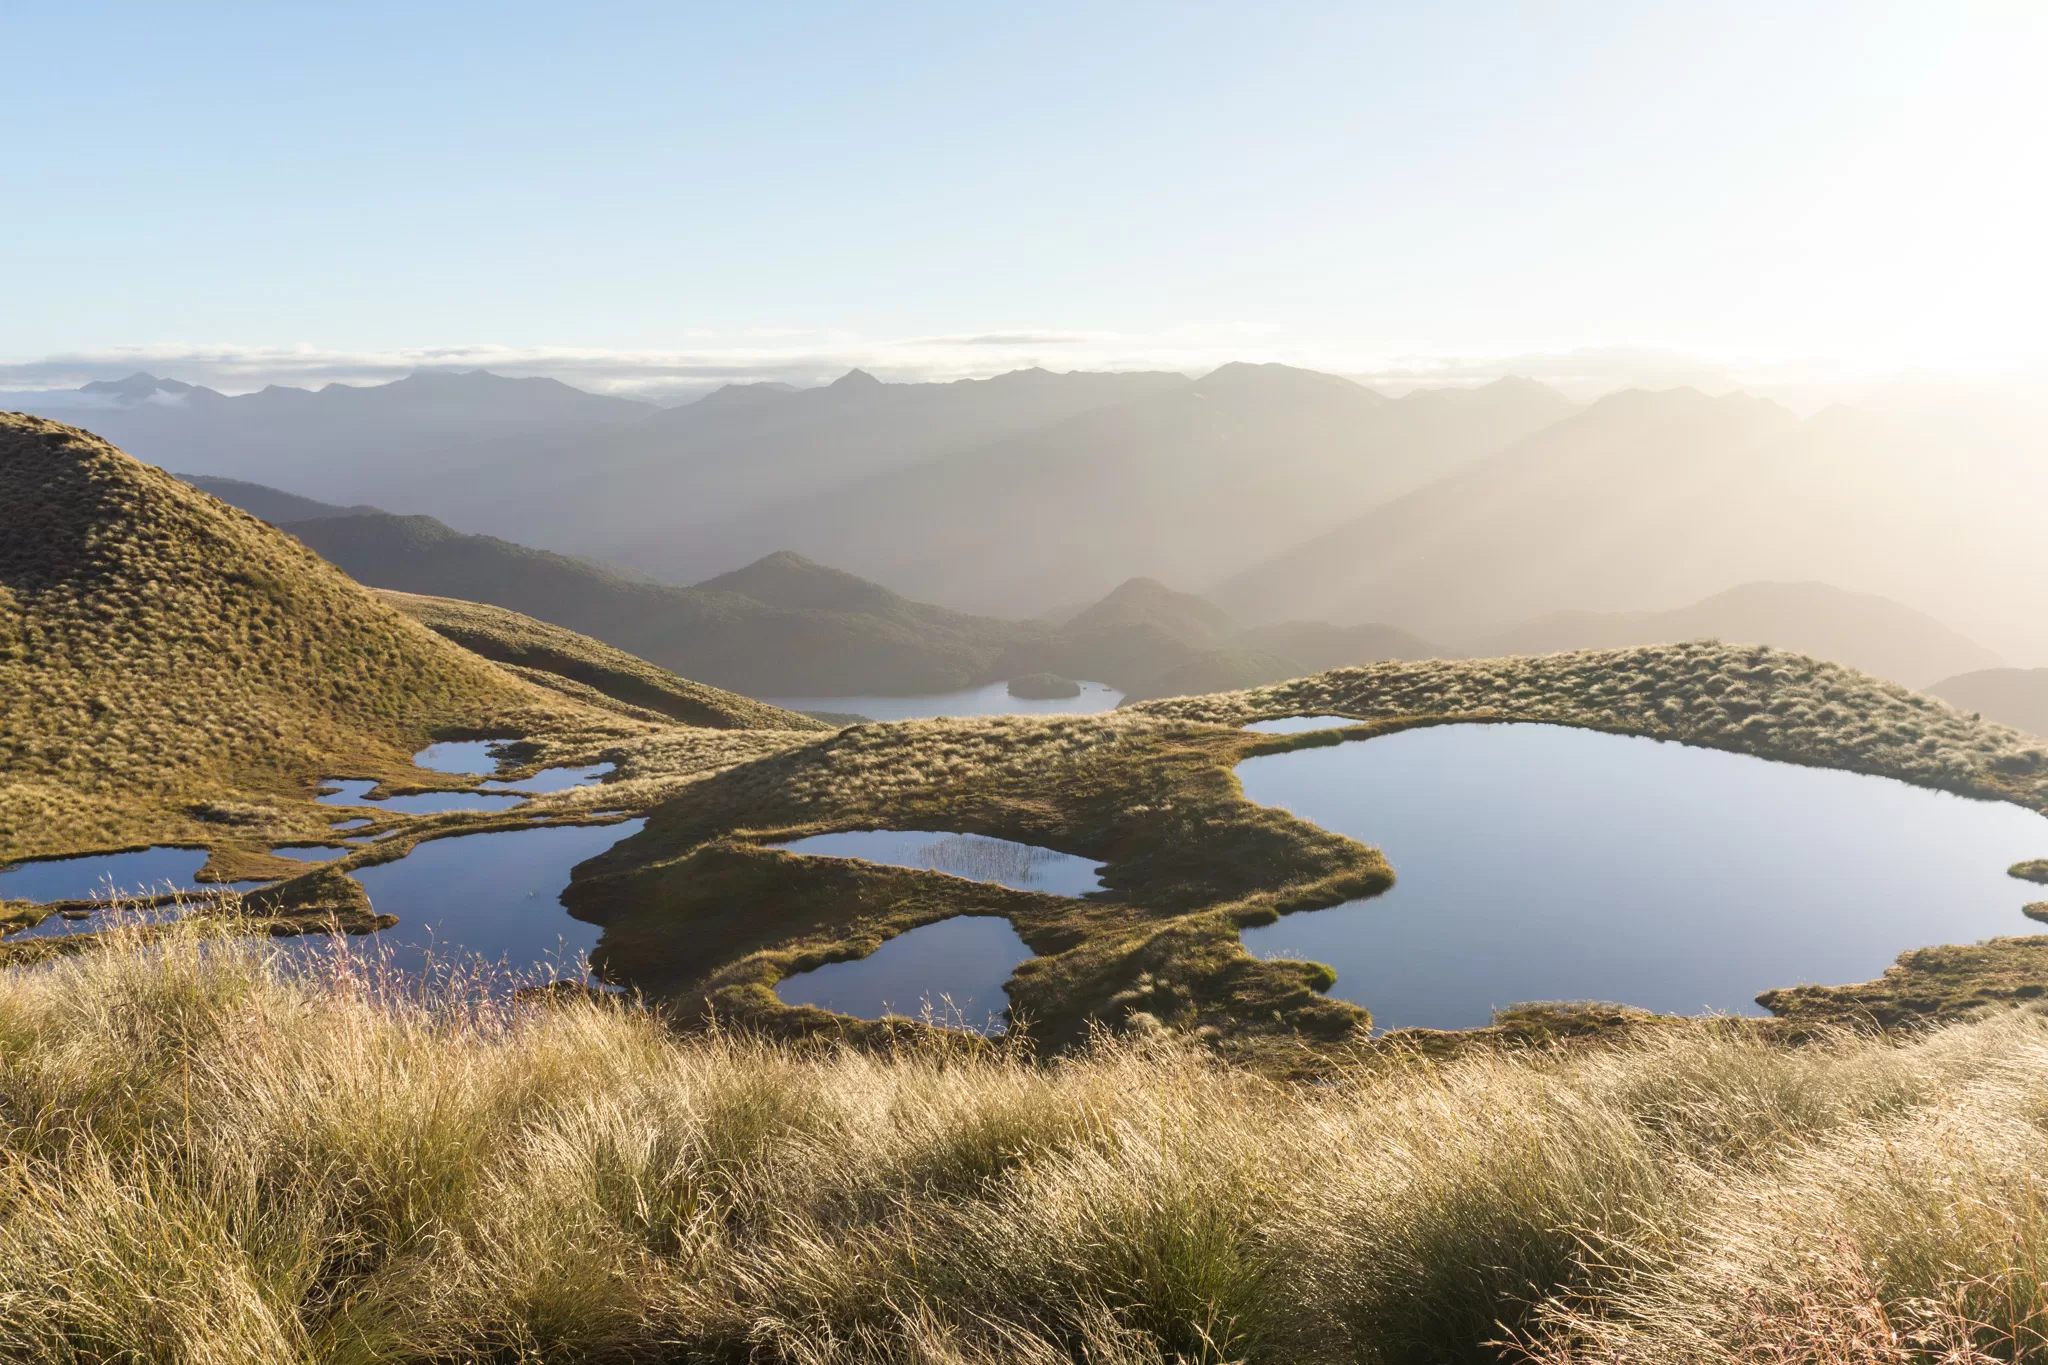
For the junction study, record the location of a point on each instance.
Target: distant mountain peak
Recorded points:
(856, 379)
(141, 384)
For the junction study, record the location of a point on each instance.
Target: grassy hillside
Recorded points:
(160, 650)
(723, 638)
(2011, 696)
(1182, 485)
(550, 655)
(1859, 629)
(209, 1160)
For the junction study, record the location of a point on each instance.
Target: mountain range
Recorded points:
(1278, 493)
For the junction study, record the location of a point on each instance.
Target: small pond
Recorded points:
(491, 896)
(308, 853)
(1294, 725)
(952, 971)
(354, 792)
(464, 756)
(150, 871)
(552, 779)
(1538, 862)
(992, 700)
(1023, 867)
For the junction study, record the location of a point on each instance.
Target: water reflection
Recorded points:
(951, 972)
(1024, 867)
(1538, 862)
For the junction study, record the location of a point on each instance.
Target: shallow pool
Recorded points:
(1024, 867)
(951, 972)
(354, 792)
(992, 700)
(552, 779)
(494, 897)
(145, 872)
(459, 756)
(1538, 862)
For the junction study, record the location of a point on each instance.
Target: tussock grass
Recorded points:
(165, 659)
(204, 1158)
(579, 665)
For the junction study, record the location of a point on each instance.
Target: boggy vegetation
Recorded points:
(699, 912)
(696, 911)
(204, 1159)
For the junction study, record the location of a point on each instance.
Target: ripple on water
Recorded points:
(1538, 862)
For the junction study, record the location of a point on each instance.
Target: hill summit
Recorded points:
(158, 645)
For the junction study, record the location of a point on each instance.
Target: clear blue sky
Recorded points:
(1857, 182)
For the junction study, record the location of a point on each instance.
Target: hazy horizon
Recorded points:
(1795, 201)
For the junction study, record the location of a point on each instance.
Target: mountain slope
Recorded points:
(157, 645)
(1862, 630)
(1180, 485)
(721, 638)
(1646, 499)
(663, 493)
(273, 505)
(545, 654)
(2011, 696)
(1634, 481)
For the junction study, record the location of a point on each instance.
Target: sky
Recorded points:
(659, 197)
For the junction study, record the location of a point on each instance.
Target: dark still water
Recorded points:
(495, 897)
(952, 972)
(1537, 862)
(144, 872)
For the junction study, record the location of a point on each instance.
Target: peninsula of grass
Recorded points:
(2032, 870)
(204, 1157)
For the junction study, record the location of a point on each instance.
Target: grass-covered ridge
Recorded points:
(201, 1160)
(165, 658)
(579, 665)
(1748, 698)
